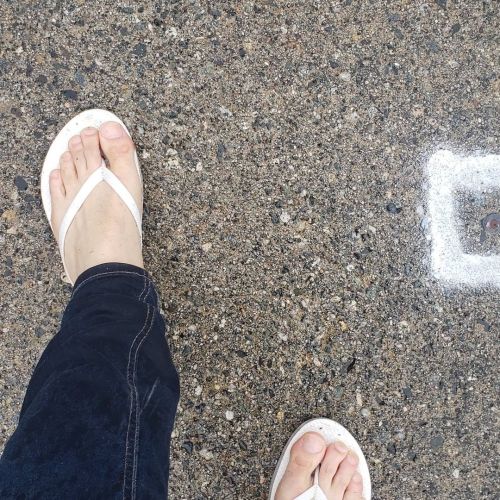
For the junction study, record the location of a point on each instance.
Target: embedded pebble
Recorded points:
(206, 454)
(20, 183)
(285, 217)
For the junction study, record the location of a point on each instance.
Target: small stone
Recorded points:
(407, 392)
(456, 473)
(198, 390)
(39, 332)
(348, 366)
(225, 112)
(20, 183)
(345, 76)
(441, 3)
(392, 208)
(229, 415)
(221, 151)
(80, 78)
(207, 455)
(187, 446)
(70, 94)
(285, 217)
(437, 442)
(9, 215)
(139, 50)
(206, 247)
(433, 46)
(280, 416)
(359, 399)
(365, 412)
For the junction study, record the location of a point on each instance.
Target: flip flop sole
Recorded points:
(89, 118)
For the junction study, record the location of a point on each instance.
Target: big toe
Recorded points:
(305, 456)
(119, 150)
(116, 145)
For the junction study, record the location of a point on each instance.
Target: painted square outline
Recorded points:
(447, 173)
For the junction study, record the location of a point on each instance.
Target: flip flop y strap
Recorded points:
(102, 174)
(314, 492)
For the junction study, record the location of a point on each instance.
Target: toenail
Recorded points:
(312, 444)
(55, 173)
(74, 141)
(111, 130)
(352, 459)
(341, 447)
(89, 131)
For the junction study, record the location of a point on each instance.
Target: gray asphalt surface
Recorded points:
(283, 146)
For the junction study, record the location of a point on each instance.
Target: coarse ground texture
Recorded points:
(283, 146)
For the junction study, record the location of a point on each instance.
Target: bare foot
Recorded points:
(103, 230)
(337, 474)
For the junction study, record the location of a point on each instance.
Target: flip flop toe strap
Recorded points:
(314, 492)
(101, 174)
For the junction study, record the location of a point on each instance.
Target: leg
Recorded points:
(99, 410)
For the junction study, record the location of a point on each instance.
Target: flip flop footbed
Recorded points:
(90, 118)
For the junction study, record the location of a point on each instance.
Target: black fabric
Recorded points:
(99, 410)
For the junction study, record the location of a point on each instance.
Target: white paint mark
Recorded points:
(447, 174)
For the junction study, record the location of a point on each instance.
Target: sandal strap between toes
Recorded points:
(314, 492)
(102, 174)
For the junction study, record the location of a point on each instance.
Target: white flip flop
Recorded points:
(90, 118)
(331, 432)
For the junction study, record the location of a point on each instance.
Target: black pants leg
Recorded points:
(99, 410)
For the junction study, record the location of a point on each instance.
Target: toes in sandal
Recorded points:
(331, 432)
(90, 118)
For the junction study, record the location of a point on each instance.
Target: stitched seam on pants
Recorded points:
(138, 413)
(144, 289)
(132, 398)
(147, 287)
(110, 273)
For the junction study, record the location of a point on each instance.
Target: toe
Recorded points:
(119, 149)
(57, 196)
(75, 146)
(334, 455)
(91, 149)
(116, 145)
(68, 172)
(305, 456)
(56, 184)
(354, 489)
(344, 474)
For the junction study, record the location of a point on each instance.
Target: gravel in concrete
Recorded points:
(283, 146)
